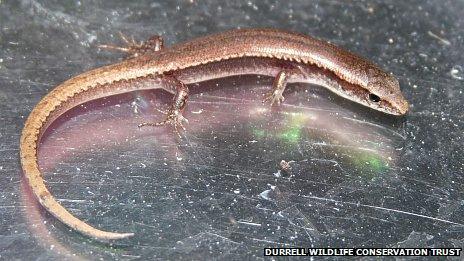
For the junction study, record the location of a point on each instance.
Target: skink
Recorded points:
(289, 57)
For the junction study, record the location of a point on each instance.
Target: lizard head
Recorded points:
(377, 90)
(383, 94)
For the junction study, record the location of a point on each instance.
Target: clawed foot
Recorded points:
(134, 48)
(174, 117)
(274, 97)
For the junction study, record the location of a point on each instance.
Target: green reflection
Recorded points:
(367, 161)
(370, 163)
(291, 134)
(258, 133)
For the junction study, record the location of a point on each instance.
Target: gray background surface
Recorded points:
(357, 178)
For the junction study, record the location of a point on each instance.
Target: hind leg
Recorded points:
(134, 48)
(174, 114)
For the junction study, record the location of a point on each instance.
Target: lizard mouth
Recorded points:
(395, 108)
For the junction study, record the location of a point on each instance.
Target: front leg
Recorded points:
(174, 115)
(280, 82)
(134, 48)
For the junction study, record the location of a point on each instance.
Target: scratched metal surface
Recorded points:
(357, 178)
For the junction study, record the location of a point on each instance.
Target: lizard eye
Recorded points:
(373, 97)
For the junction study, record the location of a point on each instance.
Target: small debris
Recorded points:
(442, 40)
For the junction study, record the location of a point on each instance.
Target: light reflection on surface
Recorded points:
(368, 154)
(118, 177)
